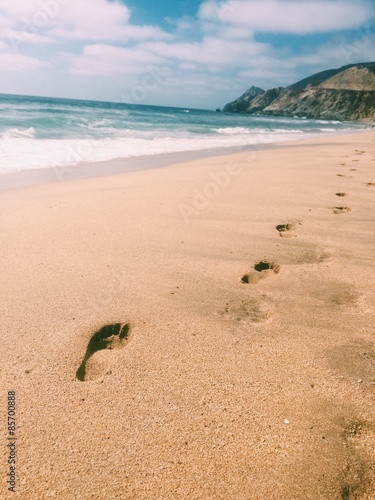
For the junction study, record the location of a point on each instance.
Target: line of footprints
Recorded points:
(116, 336)
(264, 269)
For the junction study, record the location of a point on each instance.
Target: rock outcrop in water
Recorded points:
(347, 93)
(243, 103)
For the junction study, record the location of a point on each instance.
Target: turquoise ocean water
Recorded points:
(41, 132)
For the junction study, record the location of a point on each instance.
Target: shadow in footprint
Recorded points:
(341, 194)
(286, 230)
(109, 337)
(370, 184)
(341, 210)
(262, 270)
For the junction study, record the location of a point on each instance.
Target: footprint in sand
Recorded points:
(341, 194)
(354, 360)
(357, 438)
(311, 257)
(246, 312)
(94, 364)
(370, 184)
(353, 170)
(343, 175)
(261, 270)
(286, 230)
(341, 210)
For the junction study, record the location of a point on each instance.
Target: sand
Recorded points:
(207, 386)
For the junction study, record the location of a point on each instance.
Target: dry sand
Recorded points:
(210, 387)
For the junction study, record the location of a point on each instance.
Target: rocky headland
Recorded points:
(346, 93)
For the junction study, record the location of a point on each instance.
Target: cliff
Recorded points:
(346, 93)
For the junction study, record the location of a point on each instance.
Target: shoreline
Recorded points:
(195, 332)
(85, 170)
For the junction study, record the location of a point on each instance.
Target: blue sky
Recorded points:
(156, 12)
(198, 53)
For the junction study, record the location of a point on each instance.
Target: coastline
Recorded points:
(87, 170)
(220, 388)
(33, 177)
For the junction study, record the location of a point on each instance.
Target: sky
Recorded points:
(188, 53)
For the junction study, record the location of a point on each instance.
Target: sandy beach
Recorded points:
(241, 363)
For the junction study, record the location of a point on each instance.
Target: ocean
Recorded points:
(41, 132)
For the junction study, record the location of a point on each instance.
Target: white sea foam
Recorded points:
(234, 130)
(260, 132)
(15, 133)
(22, 152)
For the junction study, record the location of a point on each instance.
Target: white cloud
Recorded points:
(16, 38)
(212, 51)
(108, 60)
(120, 34)
(4, 20)
(100, 20)
(93, 19)
(10, 62)
(189, 66)
(282, 69)
(236, 32)
(76, 12)
(97, 20)
(338, 53)
(19, 8)
(288, 16)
